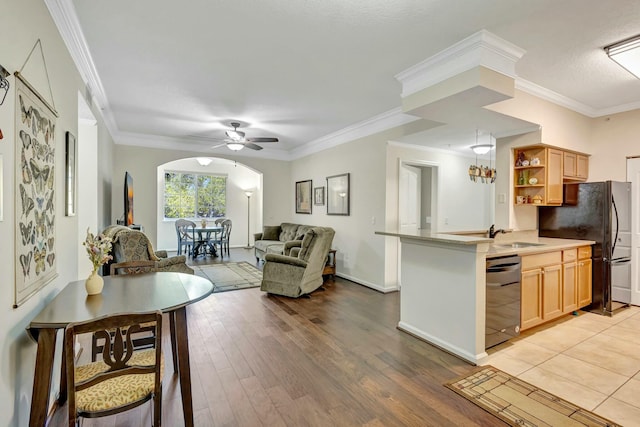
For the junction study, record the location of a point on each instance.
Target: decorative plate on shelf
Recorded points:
(533, 181)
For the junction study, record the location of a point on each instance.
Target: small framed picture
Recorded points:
(338, 194)
(318, 196)
(303, 197)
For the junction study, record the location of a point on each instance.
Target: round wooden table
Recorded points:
(169, 292)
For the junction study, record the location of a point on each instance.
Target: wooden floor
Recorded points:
(334, 359)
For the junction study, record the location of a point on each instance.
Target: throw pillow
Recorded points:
(271, 232)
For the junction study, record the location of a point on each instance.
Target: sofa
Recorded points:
(294, 276)
(134, 245)
(279, 239)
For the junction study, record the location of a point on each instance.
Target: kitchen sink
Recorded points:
(519, 245)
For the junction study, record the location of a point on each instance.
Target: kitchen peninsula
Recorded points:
(442, 278)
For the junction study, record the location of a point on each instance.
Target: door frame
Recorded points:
(635, 228)
(435, 174)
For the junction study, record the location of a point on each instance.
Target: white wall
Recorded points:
(21, 24)
(239, 179)
(87, 212)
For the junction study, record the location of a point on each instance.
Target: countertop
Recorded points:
(427, 235)
(501, 246)
(498, 249)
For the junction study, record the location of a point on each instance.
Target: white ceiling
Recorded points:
(178, 72)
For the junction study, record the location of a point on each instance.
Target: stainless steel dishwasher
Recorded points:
(503, 300)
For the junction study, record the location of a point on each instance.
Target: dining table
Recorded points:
(168, 292)
(204, 240)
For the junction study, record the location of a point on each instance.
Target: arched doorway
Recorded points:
(244, 211)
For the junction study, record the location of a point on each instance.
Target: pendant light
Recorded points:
(483, 174)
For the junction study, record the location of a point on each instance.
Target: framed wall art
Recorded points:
(35, 192)
(303, 197)
(338, 194)
(318, 196)
(70, 175)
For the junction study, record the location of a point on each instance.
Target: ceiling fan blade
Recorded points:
(219, 145)
(252, 146)
(262, 139)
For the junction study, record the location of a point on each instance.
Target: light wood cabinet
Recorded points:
(575, 166)
(569, 287)
(541, 170)
(584, 276)
(531, 299)
(554, 177)
(554, 284)
(551, 292)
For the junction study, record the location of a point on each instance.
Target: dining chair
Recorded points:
(186, 235)
(222, 239)
(218, 221)
(125, 378)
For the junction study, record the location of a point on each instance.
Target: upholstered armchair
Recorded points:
(134, 245)
(294, 276)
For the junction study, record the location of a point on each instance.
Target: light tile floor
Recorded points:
(590, 360)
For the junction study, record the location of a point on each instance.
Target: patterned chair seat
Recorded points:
(119, 391)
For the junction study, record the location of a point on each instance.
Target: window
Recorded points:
(190, 195)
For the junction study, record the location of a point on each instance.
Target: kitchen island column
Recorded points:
(442, 290)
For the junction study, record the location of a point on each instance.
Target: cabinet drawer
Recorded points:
(584, 252)
(569, 255)
(540, 260)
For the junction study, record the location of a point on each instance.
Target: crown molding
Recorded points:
(480, 49)
(554, 97)
(379, 123)
(66, 20)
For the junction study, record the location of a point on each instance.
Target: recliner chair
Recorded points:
(134, 245)
(294, 276)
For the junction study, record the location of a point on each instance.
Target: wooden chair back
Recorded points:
(117, 329)
(132, 267)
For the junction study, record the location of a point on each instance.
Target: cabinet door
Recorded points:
(582, 168)
(551, 291)
(554, 177)
(531, 302)
(584, 283)
(569, 287)
(569, 164)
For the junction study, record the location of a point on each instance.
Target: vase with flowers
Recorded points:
(98, 248)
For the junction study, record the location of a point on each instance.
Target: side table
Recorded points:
(330, 266)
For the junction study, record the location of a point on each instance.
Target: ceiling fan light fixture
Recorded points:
(627, 54)
(235, 135)
(481, 148)
(204, 161)
(235, 146)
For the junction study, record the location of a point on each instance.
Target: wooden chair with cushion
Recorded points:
(124, 379)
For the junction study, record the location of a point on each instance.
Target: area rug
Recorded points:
(230, 276)
(519, 403)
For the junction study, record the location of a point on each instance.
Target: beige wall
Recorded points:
(21, 24)
(614, 137)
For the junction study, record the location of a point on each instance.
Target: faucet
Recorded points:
(493, 231)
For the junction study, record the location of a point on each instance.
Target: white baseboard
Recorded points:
(367, 284)
(449, 348)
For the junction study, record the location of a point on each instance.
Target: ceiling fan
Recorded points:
(236, 141)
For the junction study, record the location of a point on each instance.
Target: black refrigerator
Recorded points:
(598, 211)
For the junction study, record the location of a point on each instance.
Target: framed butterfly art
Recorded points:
(35, 192)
